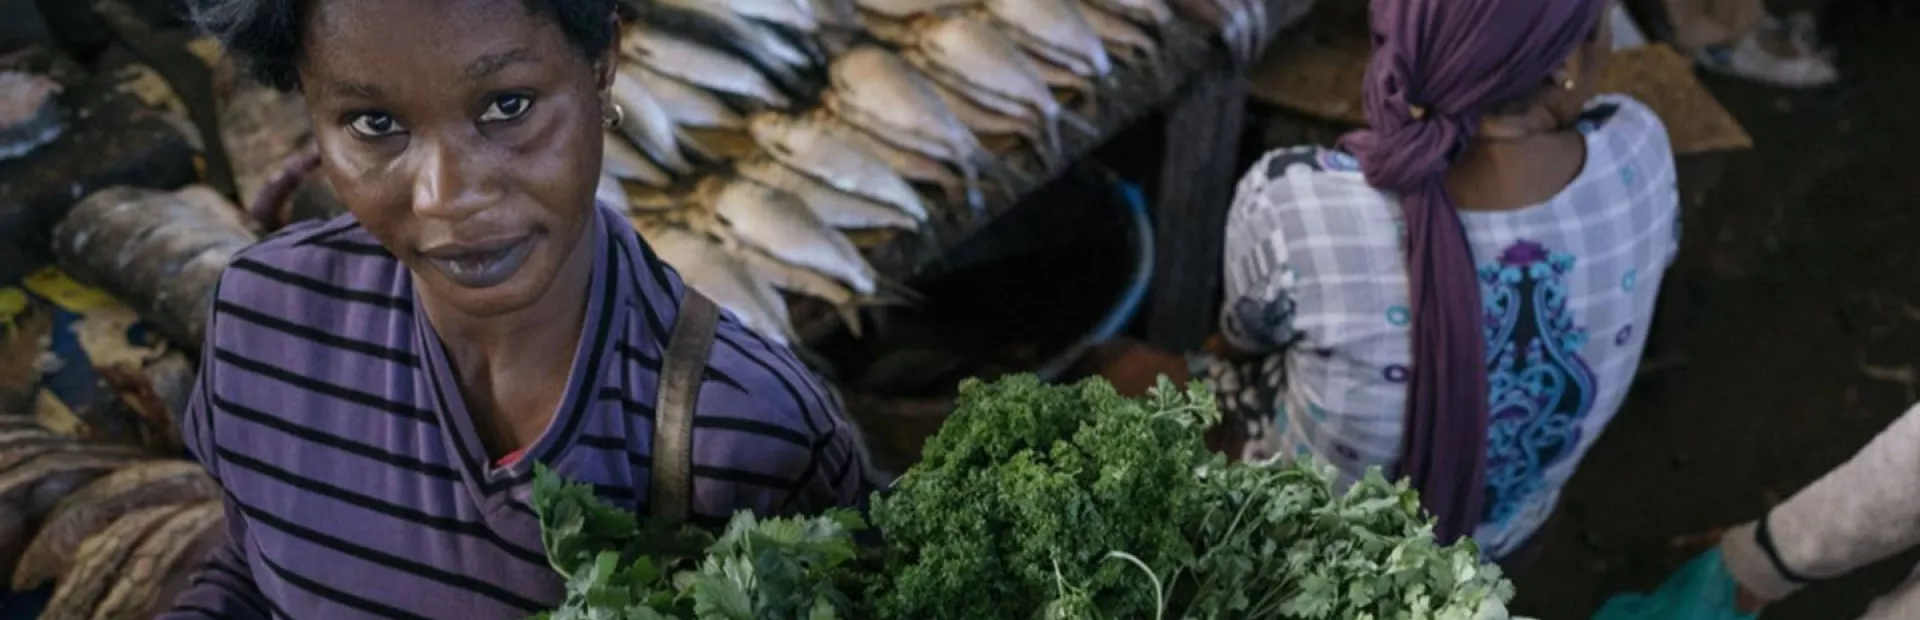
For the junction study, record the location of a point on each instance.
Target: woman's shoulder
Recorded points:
(1625, 121)
(313, 274)
(1289, 187)
(317, 257)
(1320, 163)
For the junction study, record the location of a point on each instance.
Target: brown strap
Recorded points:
(671, 491)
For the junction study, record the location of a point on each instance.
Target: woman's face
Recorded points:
(464, 135)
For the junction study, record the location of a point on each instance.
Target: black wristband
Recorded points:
(1763, 536)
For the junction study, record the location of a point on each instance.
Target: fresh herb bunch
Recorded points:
(1029, 486)
(1061, 502)
(619, 567)
(1278, 542)
(1074, 503)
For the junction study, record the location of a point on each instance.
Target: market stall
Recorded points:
(816, 161)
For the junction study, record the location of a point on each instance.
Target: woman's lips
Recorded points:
(480, 265)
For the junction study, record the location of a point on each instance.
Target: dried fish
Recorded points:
(1150, 13)
(912, 166)
(811, 145)
(805, 282)
(775, 56)
(903, 9)
(686, 104)
(30, 486)
(839, 14)
(158, 567)
(95, 506)
(1123, 37)
(778, 223)
(975, 59)
(797, 15)
(880, 92)
(647, 125)
(139, 245)
(37, 484)
(707, 267)
(834, 207)
(1054, 30)
(98, 563)
(1063, 79)
(992, 122)
(623, 162)
(700, 65)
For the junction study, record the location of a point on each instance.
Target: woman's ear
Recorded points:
(609, 62)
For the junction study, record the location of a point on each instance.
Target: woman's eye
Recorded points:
(373, 125)
(506, 108)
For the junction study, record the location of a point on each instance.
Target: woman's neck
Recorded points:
(513, 369)
(1505, 174)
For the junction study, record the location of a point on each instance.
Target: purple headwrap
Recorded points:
(1437, 66)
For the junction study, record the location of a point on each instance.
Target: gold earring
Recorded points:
(1568, 84)
(612, 121)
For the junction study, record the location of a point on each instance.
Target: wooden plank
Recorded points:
(1319, 76)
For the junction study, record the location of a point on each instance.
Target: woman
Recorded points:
(377, 389)
(1461, 293)
(1864, 511)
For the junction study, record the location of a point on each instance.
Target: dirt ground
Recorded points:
(1800, 337)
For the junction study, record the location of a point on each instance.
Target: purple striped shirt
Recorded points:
(357, 486)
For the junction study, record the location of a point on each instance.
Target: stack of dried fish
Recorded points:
(754, 132)
(118, 530)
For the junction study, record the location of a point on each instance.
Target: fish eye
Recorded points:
(373, 125)
(506, 108)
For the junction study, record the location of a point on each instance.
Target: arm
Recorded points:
(843, 471)
(224, 587)
(1861, 512)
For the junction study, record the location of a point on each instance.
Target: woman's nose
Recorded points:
(449, 182)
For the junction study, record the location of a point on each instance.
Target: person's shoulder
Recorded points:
(773, 386)
(310, 270)
(313, 257)
(1305, 181)
(1321, 163)
(1630, 120)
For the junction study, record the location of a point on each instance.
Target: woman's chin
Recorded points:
(511, 293)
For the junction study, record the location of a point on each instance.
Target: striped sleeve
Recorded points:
(224, 587)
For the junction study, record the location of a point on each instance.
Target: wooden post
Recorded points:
(1192, 190)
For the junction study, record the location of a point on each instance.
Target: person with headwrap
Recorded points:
(1460, 294)
(1861, 512)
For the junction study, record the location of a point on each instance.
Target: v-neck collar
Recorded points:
(592, 356)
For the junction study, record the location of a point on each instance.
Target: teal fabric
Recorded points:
(1701, 590)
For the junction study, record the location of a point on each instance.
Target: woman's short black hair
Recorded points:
(265, 34)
